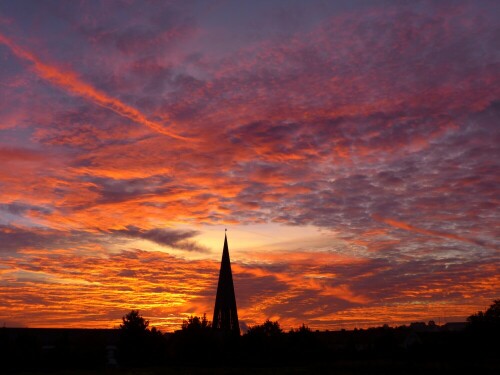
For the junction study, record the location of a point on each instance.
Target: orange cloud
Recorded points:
(61, 288)
(71, 83)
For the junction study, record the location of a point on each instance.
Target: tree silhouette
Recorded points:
(195, 323)
(265, 343)
(138, 344)
(303, 330)
(490, 319)
(483, 329)
(195, 332)
(134, 322)
(268, 329)
(303, 345)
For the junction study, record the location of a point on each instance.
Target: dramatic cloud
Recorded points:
(13, 239)
(350, 148)
(95, 290)
(173, 238)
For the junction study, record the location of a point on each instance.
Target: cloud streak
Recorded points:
(177, 239)
(427, 232)
(74, 85)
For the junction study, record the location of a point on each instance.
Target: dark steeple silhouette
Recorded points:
(225, 313)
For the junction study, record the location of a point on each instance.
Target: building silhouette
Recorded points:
(225, 312)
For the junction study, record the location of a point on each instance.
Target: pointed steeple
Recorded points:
(225, 312)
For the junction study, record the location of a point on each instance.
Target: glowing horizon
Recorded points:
(350, 148)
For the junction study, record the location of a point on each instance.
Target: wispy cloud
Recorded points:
(74, 85)
(177, 239)
(427, 232)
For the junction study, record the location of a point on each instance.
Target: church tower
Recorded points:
(225, 313)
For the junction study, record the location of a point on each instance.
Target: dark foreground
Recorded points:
(337, 368)
(404, 350)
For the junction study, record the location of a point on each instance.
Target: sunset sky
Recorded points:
(351, 149)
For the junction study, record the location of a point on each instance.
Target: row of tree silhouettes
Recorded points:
(268, 343)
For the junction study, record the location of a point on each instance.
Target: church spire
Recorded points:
(225, 312)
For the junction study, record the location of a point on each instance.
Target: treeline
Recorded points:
(267, 344)
(136, 344)
(197, 344)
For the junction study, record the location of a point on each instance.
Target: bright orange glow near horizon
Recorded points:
(351, 150)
